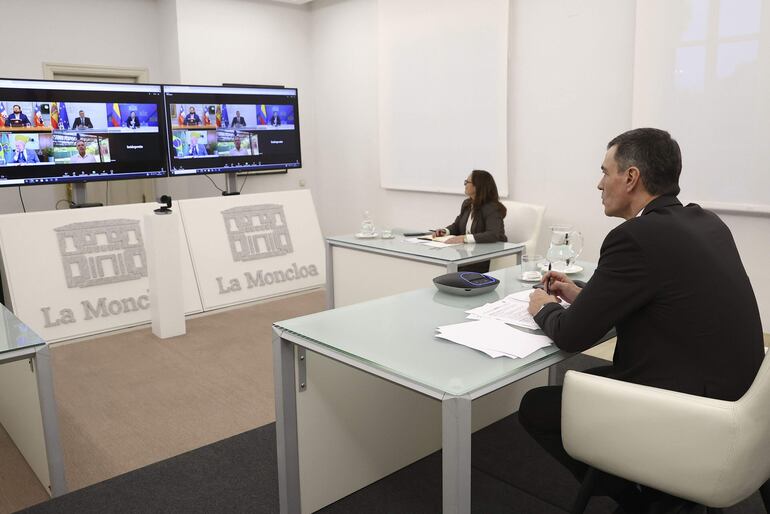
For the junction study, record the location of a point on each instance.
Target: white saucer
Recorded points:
(361, 235)
(573, 268)
(522, 279)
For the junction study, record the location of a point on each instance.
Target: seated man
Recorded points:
(17, 118)
(81, 156)
(671, 281)
(82, 121)
(238, 149)
(192, 119)
(238, 121)
(195, 148)
(22, 155)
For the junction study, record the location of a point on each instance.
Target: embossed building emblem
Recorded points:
(102, 252)
(257, 232)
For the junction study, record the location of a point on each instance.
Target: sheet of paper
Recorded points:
(493, 337)
(513, 312)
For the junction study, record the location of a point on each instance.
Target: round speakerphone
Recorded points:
(466, 283)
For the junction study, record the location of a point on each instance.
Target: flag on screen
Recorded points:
(206, 120)
(113, 115)
(180, 118)
(54, 115)
(225, 118)
(3, 114)
(262, 115)
(177, 144)
(37, 120)
(6, 152)
(219, 116)
(64, 121)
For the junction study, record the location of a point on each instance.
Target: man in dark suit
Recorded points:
(17, 118)
(192, 119)
(82, 121)
(671, 281)
(238, 120)
(275, 119)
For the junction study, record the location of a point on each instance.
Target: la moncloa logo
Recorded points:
(102, 252)
(257, 232)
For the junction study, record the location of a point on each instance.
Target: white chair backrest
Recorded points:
(751, 449)
(523, 223)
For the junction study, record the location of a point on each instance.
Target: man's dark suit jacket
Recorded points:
(487, 227)
(238, 120)
(672, 283)
(20, 121)
(87, 123)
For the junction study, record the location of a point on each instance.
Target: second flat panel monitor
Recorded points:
(216, 129)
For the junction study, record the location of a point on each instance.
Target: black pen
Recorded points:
(548, 282)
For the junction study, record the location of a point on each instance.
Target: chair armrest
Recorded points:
(674, 442)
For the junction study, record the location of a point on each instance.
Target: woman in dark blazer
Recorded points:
(481, 216)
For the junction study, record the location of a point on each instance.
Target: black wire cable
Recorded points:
(245, 177)
(215, 184)
(23, 207)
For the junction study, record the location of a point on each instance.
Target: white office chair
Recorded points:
(522, 225)
(712, 452)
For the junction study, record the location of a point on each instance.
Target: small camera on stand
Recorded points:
(165, 207)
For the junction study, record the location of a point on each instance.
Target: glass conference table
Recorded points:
(27, 404)
(392, 338)
(395, 265)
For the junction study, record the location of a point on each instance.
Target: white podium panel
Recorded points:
(77, 272)
(249, 247)
(166, 291)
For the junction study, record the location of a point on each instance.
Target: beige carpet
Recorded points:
(131, 399)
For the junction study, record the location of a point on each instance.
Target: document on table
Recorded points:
(494, 338)
(512, 310)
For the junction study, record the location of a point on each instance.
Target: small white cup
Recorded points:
(386, 233)
(529, 267)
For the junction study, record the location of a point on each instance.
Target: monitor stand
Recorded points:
(79, 197)
(231, 185)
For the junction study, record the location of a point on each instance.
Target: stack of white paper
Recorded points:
(494, 338)
(512, 310)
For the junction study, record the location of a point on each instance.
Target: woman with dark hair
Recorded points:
(481, 215)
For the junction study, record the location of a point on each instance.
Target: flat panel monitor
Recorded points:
(56, 131)
(217, 129)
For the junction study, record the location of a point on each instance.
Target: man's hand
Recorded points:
(558, 284)
(455, 240)
(537, 299)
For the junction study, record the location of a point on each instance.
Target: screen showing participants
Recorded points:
(234, 116)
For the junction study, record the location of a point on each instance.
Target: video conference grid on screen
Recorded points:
(230, 129)
(53, 132)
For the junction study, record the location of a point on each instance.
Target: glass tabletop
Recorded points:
(397, 334)
(401, 244)
(14, 334)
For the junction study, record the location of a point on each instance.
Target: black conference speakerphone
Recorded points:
(466, 283)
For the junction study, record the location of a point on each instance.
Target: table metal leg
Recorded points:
(50, 421)
(329, 276)
(456, 454)
(286, 425)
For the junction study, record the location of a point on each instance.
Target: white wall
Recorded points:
(247, 42)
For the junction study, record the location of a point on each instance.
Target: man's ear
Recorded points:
(633, 178)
